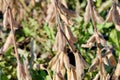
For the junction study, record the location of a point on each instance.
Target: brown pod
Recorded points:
(102, 40)
(8, 42)
(62, 68)
(117, 71)
(98, 18)
(69, 12)
(90, 42)
(58, 46)
(73, 74)
(50, 14)
(97, 76)
(28, 76)
(95, 63)
(21, 72)
(53, 60)
(102, 72)
(66, 61)
(63, 15)
(97, 37)
(87, 13)
(59, 76)
(6, 19)
(70, 35)
(88, 45)
(112, 59)
(79, 66)
(91, 39)
(69, 74)
(109, 16)
(116, 17)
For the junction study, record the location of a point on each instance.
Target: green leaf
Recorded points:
(115, 39)
(3, 76)
(104, 25)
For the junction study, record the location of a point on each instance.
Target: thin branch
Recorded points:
(72, 49)
(12, 25)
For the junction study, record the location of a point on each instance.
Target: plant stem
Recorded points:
(12, 25)
(98, 42)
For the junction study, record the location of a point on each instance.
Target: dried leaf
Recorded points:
(109, 16)
(98, 18)
(116, 17)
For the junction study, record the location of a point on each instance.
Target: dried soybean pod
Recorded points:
(6, 18)
(117, 71)
(98, 18)
(116, 17)
(109, 16)
(80, 66)
(87, 13)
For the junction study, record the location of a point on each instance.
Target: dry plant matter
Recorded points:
(60, 63)
(22, 71)
(97, 38)
(61, 16)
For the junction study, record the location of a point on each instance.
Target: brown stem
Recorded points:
(98, 42)
(12, 31)
(101, 61)
(72, 49)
